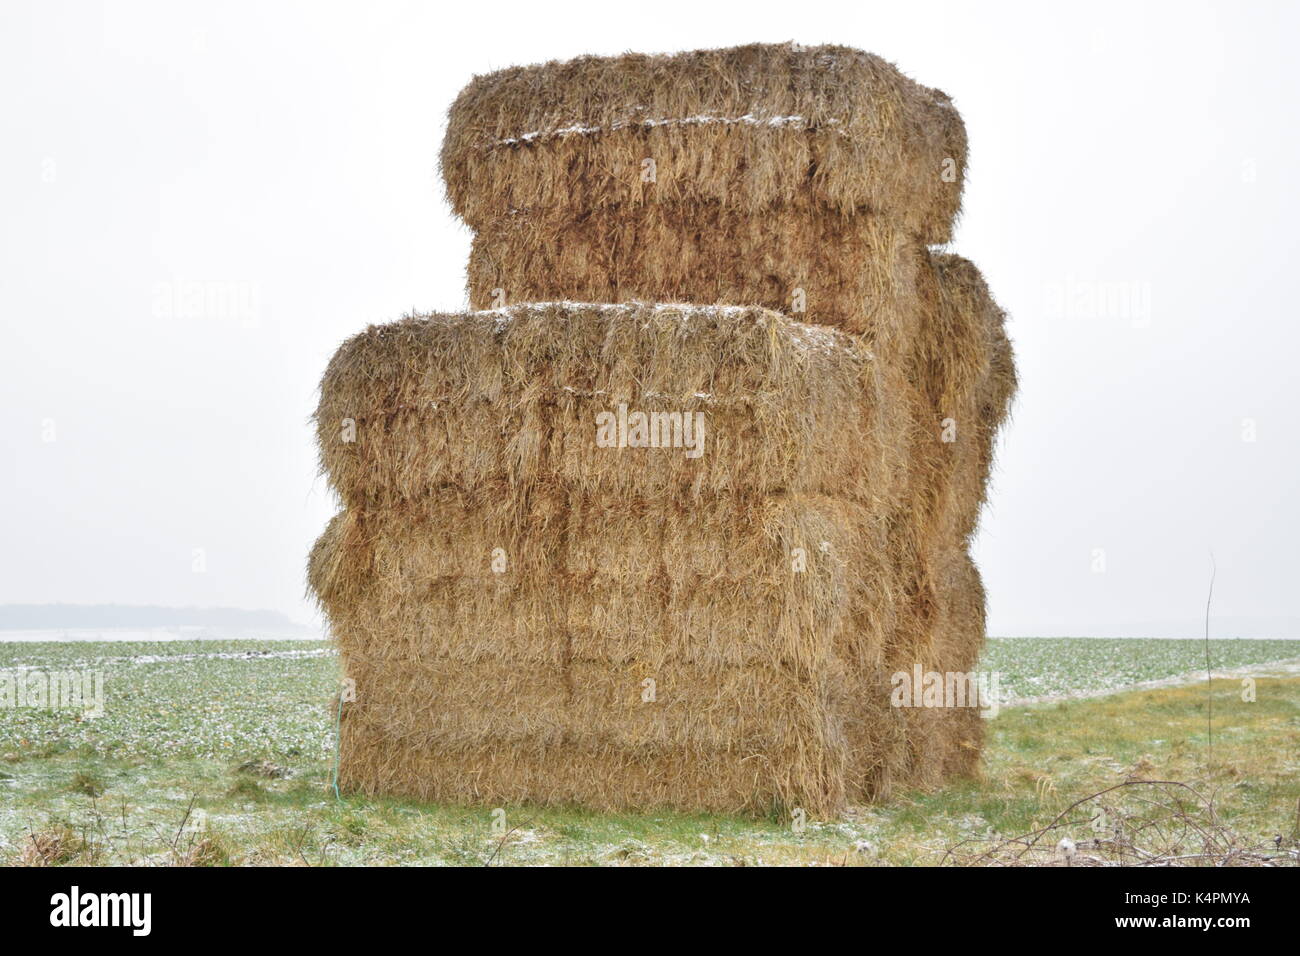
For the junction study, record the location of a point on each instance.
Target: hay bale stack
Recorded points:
(804, 180)
(502, 608)
(769, 588)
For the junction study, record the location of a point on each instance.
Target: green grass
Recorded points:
(1039, 667)
(212, 707)
(227, 760)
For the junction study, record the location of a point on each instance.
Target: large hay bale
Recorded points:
(857, 273)
(513, 395)
(628, 580)
(512, 772)
(731, 684)
(981, 403)
(936, 379)
(751, 127)
(650, 578)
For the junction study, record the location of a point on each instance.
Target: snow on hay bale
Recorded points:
(804, 180)
(853, 272)
(763, 404)
(751, 127)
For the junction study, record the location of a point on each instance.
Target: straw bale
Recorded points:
(856, 273)
(761, 657)
(752, 127)
(513, 395)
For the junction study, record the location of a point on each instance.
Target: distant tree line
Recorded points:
(45, 616)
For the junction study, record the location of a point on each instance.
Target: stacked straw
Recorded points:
(530, 616)
(654, 628)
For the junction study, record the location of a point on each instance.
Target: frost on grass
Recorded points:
(220, 703)
(1043, 667)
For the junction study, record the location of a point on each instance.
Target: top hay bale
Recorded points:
(750, 128)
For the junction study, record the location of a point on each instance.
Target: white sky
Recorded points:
(284, 154)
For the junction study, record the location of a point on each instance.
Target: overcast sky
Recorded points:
(200, 202)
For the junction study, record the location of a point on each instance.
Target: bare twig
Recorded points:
(504, 839)
(1175, 825)
(1209, 678)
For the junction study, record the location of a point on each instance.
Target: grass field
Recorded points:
(220, 752)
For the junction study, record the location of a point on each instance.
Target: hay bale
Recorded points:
(776, 215)
(959, 642)
(513, 396)
(751, 127)
(947, 364)
(816, 199)
(650, 580)
(965, 368)
(857, 273)
(759, 646)
(509, 773)
(962, 378)
(982, 396)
